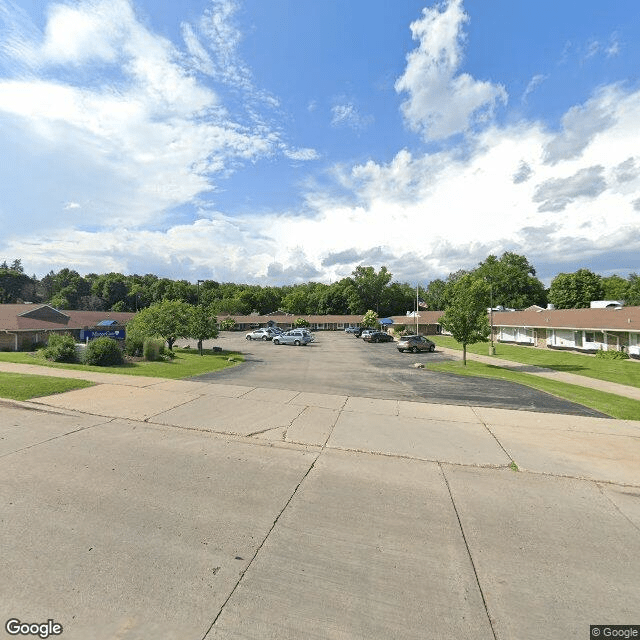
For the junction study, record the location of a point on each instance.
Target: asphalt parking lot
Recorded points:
(339, 363)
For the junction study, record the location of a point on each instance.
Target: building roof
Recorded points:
(424, 317)
(43, 317)
(607, 319)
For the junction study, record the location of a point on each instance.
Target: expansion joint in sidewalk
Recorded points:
(466, 544)
(257, 551)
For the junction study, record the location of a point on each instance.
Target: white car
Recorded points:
(260, 334)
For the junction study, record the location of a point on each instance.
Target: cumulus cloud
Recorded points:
(442, 101)
(557, 193)
(581, 124)
(113, 116)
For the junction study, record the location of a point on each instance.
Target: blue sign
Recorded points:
(90, 334)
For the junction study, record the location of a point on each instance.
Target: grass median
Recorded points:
(24, 386)
(607, 403)
(186, 364)
(620, 371)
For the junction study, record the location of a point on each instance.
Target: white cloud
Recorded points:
(442, 101)
(130, 132)
(348, 115)
(533, 84)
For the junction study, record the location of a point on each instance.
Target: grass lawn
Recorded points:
(607, 403)
(621, 371)
(23, 386)
(187, 363)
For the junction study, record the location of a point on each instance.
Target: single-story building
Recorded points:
(586, 330)
(24, 327)
(427, 321)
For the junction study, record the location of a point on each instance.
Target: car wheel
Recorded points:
(401, 350)
(432, 347)
(276, 341)
(265, 338)
(297, 343)
(248, 337)
(415, 349)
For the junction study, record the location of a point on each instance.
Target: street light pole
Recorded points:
(199, 340)
(492, 349)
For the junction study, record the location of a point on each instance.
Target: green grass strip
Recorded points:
(184, 365)
(607, 403)
(24, 386)
(620, 371)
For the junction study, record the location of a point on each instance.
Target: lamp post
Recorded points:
(492, 349)
(199, 340)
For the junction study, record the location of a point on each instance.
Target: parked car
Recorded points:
(294, 336)
(415, 344)
(365, 332)
(378, 336)
(352, 330)
(260, 334)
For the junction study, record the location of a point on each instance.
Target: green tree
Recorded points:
(435, 295)
(203, 325)
(513, 280)
(466, 314)
(300, 322)
(369, 319)
(169, 319)
(633, 290)
(615, 288)
(367, 288)
(575, 290)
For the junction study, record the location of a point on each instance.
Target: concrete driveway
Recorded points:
(190, 510)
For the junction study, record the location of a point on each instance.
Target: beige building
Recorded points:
(24, 327)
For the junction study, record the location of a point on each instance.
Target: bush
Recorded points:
(151, 349)
(133, 345)
(611, 355)
(60, 348)
(103, 352)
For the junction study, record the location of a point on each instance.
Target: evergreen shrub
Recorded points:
(103, 352)
(60, 348)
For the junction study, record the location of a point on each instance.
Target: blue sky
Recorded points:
(286, 141)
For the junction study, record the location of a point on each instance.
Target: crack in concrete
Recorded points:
(466, 544)
(617, 508)
(257, 551)
(61, 435)
(493, 435)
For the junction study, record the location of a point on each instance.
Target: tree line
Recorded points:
(511, 282)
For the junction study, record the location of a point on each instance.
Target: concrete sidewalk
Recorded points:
(143, 508)
(569, 378)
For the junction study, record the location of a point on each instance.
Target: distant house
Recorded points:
(587, 330)
(26, 326)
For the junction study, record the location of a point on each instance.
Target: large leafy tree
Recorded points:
(512, 279)
(14, 284)
(367, 288)
(169, 319)
(466, 314)
(575, 290)
(615, 288)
